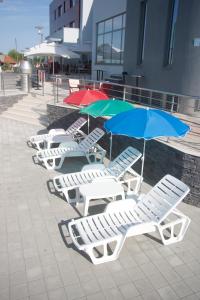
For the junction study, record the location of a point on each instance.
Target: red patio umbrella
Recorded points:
(85, 97)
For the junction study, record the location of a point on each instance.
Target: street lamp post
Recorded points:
(40, 32)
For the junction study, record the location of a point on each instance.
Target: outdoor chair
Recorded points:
(120, 168)
(53, 158)
(134, 216)
(73, 85)
(58, 135)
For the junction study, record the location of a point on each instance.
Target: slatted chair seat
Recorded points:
(117, 168)
(39, 140)
(87, 147)
(125, 218)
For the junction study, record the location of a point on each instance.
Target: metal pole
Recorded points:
(43, 83)
(88, 124)
(142, 168)
(110, 146)
(172, 106)
(53, 67)
(124, 93)
(56, 89)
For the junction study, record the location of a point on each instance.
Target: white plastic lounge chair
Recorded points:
(53, 158)
(72, 131)
(126, 218)
(118, 168)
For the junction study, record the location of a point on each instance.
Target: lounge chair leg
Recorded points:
(39, 145)
(183, 221)
(53, 166)
(69, 199)
(106, 256)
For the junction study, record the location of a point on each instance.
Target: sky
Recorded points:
(18, 19)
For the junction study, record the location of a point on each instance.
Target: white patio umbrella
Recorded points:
(51, 49)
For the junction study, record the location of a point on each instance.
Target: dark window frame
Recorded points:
(171, 31)
(142, 31)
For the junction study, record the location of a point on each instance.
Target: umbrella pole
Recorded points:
(142, 168)
(88, 124)
(53, 65)
(110, 146)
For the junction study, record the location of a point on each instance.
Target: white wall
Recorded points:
(104, 9)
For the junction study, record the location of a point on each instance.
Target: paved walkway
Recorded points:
(37, 264)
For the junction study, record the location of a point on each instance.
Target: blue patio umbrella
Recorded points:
(146, 124)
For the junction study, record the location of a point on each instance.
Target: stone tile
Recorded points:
(5, 294)
(128, 291)
(36, 287)
(42, 296)
(167, 293)
(58, 294)
(121, 277)
(106, 282)
(193, 283)
(97, 296)
(18, 278)
(34, 273)
(90, 287)
(19, 292)
(53, 282)
(143, 285)
(74, 291)
(181, 289)
(135, 273)
(113, 294)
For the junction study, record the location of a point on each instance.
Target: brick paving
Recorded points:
(38, 261)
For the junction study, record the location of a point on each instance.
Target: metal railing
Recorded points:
(184, 104)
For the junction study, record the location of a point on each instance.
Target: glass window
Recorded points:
(124, 21)
(117, 22)
(173, 14)
(108, 25)
(100, 49)
(101, 28)
(71, 3)
(107, 47)
(55, 14)
(64, 7)
(110, 40)
(59, 10)
(142, 29)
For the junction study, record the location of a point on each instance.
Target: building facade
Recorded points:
(71, 23)
(162, 44)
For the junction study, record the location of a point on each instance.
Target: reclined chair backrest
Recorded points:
(89, 141)
(76, 125)
(124, 161)
(157, 204)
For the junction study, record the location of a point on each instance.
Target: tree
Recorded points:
(15, 55)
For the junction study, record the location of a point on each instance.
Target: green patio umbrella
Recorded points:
(106, 108)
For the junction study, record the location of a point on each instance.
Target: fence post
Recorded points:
(124, 93)
(172, 106)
